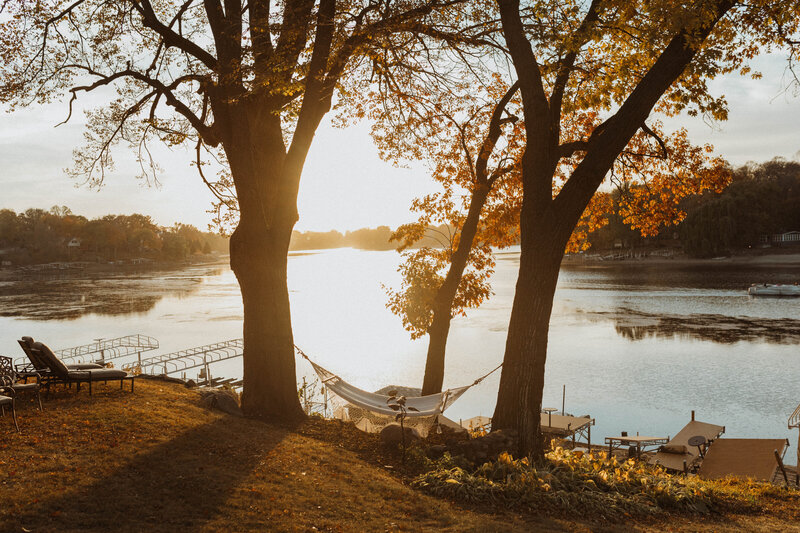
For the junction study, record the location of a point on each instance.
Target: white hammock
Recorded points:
(430, 405)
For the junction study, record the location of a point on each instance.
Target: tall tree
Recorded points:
(247, 81)
(459, 137)
(624, 59)
(475, 154)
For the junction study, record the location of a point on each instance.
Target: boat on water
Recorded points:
(766, 289)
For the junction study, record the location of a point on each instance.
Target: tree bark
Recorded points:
(259, 260)
(519, 399)
(443, 302)
(267, 194)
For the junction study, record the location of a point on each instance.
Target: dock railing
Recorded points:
(794, 422)
(103, 350)
(108, 349)
(182, 360)
(794, 419)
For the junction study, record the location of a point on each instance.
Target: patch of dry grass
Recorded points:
(157, 461)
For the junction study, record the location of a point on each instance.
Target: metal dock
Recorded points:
(182, 360)
(103, 350)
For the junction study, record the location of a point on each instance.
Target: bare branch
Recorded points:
(495, 129)
(651, 133)
(170, 37)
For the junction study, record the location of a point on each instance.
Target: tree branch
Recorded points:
(651, 133)
(314, 105)
(566, 150)
(204, 130)
(610, 138)
(293, 36)
(260, 36)
(495, 129)
(565, 66)
(170, 37)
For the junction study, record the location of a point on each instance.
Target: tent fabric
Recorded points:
(430, 405)
(675, 461)
(742, 458)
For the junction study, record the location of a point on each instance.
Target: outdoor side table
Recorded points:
(640, 442)
(698, 441)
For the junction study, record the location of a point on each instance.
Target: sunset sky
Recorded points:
(345, 185)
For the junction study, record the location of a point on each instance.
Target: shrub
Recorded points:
(596, 484)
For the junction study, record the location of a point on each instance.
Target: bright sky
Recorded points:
(345, 185)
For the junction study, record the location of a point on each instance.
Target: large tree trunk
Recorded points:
(443, 302)
(267, 197)
(259, 260)
(519, 399)
(546, 223)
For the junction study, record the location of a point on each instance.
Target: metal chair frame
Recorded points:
(5, 388)
(12, 377)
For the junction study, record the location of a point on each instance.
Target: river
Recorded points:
(637, 345)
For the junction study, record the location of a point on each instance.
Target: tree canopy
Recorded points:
(624, 61)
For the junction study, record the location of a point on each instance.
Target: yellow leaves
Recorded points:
(505, 458)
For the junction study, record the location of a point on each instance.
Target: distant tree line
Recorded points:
(39, 236)
(762, 200)
(363, 239)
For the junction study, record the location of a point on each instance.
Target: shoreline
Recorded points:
(756, 260)
(24, 271)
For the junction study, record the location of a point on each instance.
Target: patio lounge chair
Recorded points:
(12, 380)
(39, 368)
(743, 458)
(677, 454)
(62, 374)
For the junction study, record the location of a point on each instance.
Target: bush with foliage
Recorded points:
(596, 484)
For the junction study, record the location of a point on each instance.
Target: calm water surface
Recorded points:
(637, 346)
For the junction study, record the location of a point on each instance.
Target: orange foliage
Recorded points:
(655, 173)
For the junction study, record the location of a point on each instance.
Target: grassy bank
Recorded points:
(157, 461)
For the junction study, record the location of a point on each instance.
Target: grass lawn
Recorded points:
(157, 461)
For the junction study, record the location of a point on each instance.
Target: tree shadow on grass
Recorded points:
(176, 486)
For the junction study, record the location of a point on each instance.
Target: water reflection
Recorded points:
(676, 364)
(71, 296)
(638, 325)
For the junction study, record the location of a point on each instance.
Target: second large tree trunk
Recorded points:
(522, 380)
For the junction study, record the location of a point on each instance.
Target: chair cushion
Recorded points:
(85, 366)
(98, 375)
(26, 343)
(5, 399)
(53, 362)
